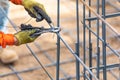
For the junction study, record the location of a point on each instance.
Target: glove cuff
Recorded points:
(18, 2)
(6, 39)
(18, 40)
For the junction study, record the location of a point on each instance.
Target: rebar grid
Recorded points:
(89, 70)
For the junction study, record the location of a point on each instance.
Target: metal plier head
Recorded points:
(39, 30)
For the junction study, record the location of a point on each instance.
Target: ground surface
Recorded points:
(45, 46)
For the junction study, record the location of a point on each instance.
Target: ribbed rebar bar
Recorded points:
(116, 53)
(106, 16)
(104, 43)
(17, 74)
(105, 22)
(90, 41)
(98, 32)
(88, 71)
(72, 52)
(84, 38)
(58, 41)
(77, 42)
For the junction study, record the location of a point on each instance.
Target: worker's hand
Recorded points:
(29, 6)
(24, 37)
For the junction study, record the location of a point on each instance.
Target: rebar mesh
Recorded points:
(86, 48)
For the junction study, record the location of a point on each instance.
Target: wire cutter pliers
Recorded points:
(39, 30)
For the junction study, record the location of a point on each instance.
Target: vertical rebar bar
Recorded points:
(104, 43)
(78, 42)
(90, 58)
(58, 41)
(90, 43)
(98, 62)
(84, 38)
(77, 63)
(98, 48)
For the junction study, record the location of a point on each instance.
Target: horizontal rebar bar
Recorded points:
(107, 16)
(36, 68)
(53, 64)
(81, 75)
(108, 25)
(110, 66)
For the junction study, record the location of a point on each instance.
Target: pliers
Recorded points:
(39, 30)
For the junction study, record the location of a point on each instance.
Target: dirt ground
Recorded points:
(45, 46)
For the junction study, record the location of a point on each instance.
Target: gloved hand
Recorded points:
(29, 6)
(24, 36)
